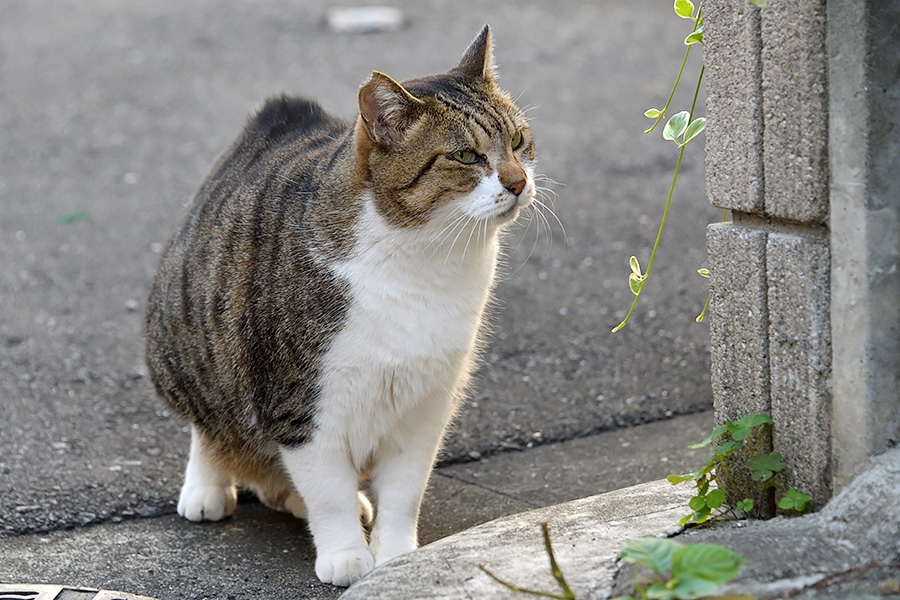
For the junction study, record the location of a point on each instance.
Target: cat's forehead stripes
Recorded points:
(485, 116)
(482, 104)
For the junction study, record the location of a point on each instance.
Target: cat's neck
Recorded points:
(452, 244)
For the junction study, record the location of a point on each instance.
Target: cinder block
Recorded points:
(795, 110)
(798, 270)
(734, 133)
(738, 330)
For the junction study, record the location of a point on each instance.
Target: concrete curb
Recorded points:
(587, 535)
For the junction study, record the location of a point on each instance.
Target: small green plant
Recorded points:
(794, 500)
(694, 570)
(709, 501)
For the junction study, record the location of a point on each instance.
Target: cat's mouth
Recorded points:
(510, 213)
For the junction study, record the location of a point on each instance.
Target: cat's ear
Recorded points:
(478, 61)
(386, 109)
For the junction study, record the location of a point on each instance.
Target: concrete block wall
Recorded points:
(803, 147)
(767, 162)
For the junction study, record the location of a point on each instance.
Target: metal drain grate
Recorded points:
(21, 591)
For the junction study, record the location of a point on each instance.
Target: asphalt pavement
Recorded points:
(111, 114)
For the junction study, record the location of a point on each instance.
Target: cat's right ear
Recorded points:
(386, 109)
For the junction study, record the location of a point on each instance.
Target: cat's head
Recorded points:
(445, 147)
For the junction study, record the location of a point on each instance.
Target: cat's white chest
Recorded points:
(409, 332)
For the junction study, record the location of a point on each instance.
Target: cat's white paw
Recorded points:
(207, 502)
(344, 567)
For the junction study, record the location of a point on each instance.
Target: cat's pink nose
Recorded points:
(513, 180)
(516, 187)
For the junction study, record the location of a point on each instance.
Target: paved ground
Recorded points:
(112, 113)
(260, 553)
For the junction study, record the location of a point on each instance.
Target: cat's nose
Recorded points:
(516, 187)
(513, 180)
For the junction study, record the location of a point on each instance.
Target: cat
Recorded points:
(316, 316)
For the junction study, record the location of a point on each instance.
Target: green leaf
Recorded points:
(794, 500)
(685, 519)
(636, 282)
(702, 515)
(725, 448)
(684, 9)
(635, 266)
(703, 273)
(659, 591)
(764, 466)
(655, 553)
(703, 487)
(715, 498)
(676, 479)
(694, 38)
(652, 113)
(753, 420)
(676, 126)
(693, 130)
(758, 3)
(717, 432)
(71, 217)
(745, 505)
(697, 503)
(699, 569)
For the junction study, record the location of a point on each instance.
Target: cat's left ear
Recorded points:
(478, 60)
(386, 109)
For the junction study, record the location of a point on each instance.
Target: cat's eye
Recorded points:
(517, 140)
(466, 157)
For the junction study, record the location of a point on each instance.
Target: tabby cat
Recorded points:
(315, 317)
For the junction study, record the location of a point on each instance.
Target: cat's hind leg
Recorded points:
(208, 493)
(284, 498)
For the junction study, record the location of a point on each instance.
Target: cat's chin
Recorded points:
(509, 215)
(512, 213)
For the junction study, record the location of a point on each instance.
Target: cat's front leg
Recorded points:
(327, 482)
(399, 477)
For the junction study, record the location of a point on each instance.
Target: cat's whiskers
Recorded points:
(466, 249)
(440, 237)
(468, 220)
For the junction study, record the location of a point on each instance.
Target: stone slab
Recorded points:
(587, 534)
(734, 132)
(795, 110)
(798, 271)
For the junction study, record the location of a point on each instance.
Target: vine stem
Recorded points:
(677, 79)
(665, 212)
